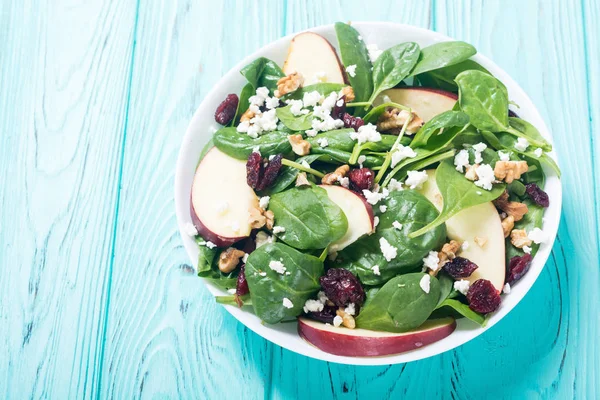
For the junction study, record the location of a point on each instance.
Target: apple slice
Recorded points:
(357, 210)
(482, 222)
(427, 103)
(221, 199)
(365, 343)
(315, 58)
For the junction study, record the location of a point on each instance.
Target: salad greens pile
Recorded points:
(407, 275)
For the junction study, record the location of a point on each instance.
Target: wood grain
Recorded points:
(65, 77)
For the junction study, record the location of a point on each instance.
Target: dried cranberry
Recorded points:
(361, 179)
(459, 267)
(271, 172)
(342, 287)
(338, 111)
(352, 122)
(326, 315)
(517, 267)
(537, 195)
(254, 169)
(226, 110)
(483, 297)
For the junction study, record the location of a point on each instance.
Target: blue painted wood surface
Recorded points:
(97, 296)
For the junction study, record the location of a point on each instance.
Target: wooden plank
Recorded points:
(65, 74)
(166, 335)
(547, 347)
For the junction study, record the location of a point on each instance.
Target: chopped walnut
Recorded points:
(229, 259)
(481, 241)
(349, 93)
(333, 177)
(247, 116)
(447, 253)
(256, 220)
(393, 119)
(518, 237)
(347, 319)
(470, 173)
(302, 180)
(508, 171)
(269, 219)
(512, 208)
(289, 84)
(299, 145)
(508, 224)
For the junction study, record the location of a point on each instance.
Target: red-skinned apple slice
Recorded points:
(365, 343)
(427, 103)
(358, 211)
(480, 221)
(221, 199)
(311, 54)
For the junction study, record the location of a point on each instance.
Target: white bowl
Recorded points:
(385, 35)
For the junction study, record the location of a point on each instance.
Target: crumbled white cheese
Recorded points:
(322, 142)
(287, 303)
(478, 149)
(295, 106)
(372, 197)
(538, 152)
(264, 202)
(261, 122)
(271, 102)
(464, 246)
(389, 252)
(522, 144)
(383, 208)
(432, 261)
(190, 229)
(375, 221)
(425, 283)
(311, 99)
(351, 70)
(400, 153)
(262, 238)
(375, 269)
(462, 286)
(485, 173)
(361, 160)
(311, 132)
(503, 156)
(277, 266)
(395, 185)
(397, 225)
(537, 236)
(262, 273)
(350, 309)
(313, 306)
(322, 297)
(374, 52)
(337, 321)
(416, 179)
(278, 229)
(461, 160)
(344, 181)
(526, 249)
(366, 133)
(245, 258)
(506, 288)
(321, 76)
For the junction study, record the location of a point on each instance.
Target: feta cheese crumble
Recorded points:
(322, 297)
(416, 179)
(394, 185)
(261, 122)
(506, 288)
(323, 142)
(311, 99)
(537, 236)
(374, 52)
(485, 173)
(313, 306)
(526, 249)
(522, 144)
(375, 221)
(375, 269)
(400, 153)
(208, 244)
(295, 107)
(383, 208)
(262, 238)
(464, 246)
(504, 156)
(397, 225)
(264, 202)
(389, 252)
(351, 70)
(278, 229)
(538, 152)
(361, 160)
(337, 321)
(462, 286)
(478, 149)
(425, 283)
(245, 258)
(350, 309)
(287, 303)
(190, 229)
(344, 181)
(431, 261)
(461, 160)
(262, 273)
(366, 133)
(277, 266)
(372, 197)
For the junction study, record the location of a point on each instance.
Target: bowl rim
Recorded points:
(182, 190)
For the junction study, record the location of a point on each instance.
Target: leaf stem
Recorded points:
(355, 154)
(323, 255)
(358, 104)
(301, 167)
(388, 157)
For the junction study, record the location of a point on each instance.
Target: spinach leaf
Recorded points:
(240, 146)
(287, 175)
(263, 72)
(243, 103)
(442, 55)
(528, 132)
(206, 257)
(468, 136)
(413, 211)
(311, 220)
(208, 269)
(269, 288)
(451, 307)
(400, 305)
(533, 219)
(446, 287)
(423, 160)
(392, 66)
(443, 78)
(294, 122)
(458, 193)
(338, 139)
(445, 120)
(323, 88)
(335, 156)
(485, 99)
(354, 52)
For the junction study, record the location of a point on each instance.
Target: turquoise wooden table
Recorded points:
(98, 299)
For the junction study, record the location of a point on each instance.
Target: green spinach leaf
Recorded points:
(400, 305)
(442, 55)
(269, 288)
(451, 307)
(528, 132)
(311, 220)
(324, 88)
(263, 72)
(240, 146)
(338, 139)
(392, 66)
(433, 127)
(354, 52)
(443, 78)
(531, 220)
(287, 175)
(243, 103)
(294, 122)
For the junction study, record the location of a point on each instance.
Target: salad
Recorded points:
(375, 196)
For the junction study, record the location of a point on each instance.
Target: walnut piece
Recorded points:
(289, 84)
(392, 120)
(247, 116)
(508, 171)
(348, 91)
(347, 319)
(508, 224)
(256, 220)
(333, 177)
(299, 145)
(269, 219)
(470, 173)
(301, 179)
(447, 253)
(229, 259)
(518, 237)
(512, 208)
(481, 241)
